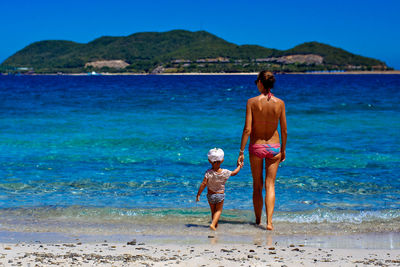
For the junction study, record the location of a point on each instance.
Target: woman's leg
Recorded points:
(217, 214)
(271, 168)
(256, 165)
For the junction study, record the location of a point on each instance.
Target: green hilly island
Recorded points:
(180, 51)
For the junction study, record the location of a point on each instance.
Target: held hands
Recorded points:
(240, 160)
(239, 164)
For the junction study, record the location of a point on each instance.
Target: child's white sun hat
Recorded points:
(215, 154)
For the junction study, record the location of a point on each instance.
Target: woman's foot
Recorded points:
(270, 227)
(212, 227)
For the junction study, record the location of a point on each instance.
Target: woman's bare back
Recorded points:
(265, 114)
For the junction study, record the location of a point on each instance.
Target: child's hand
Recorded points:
(197, 198)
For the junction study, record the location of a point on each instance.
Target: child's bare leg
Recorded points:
(212, 208)
(217, 214)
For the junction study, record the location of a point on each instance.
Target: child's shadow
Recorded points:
(220, 222)
(196, 225)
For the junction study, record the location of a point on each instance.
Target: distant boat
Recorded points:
(93, 73)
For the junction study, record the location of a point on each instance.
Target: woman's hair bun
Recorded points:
(267, 79)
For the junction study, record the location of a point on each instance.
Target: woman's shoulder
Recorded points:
(253, 99)
(278, 99)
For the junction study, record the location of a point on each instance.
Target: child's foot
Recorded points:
(212, 227)
(270, 227)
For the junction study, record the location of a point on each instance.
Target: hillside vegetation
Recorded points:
(180, 51)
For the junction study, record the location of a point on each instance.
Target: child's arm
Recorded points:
(236, 171)
(202, 186)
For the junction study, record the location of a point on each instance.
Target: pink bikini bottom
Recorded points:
(265, 150)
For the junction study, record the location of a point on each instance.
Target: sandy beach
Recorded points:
(134, 253)
(208, 249)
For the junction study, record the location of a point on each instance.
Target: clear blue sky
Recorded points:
(368, 28)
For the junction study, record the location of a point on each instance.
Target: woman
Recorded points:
(263, 113)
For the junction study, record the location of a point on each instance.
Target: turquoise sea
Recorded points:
(78, 151)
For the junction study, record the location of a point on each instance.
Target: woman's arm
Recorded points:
(246, 132)
(202, 186)
(283, 132)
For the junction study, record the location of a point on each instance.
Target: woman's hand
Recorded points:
(240, 160)
(283, 156)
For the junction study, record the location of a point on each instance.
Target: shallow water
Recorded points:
(118, 144)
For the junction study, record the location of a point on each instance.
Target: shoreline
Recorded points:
(384, 241)
(394, 72)
(183, 241)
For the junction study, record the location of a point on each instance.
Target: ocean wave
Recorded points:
(106, 220)
(335, 186)
(86, 184)
(112, 213)
(336, 216)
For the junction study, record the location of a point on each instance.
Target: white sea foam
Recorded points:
(335, 216)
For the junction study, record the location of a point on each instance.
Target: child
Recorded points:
(215, 179)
